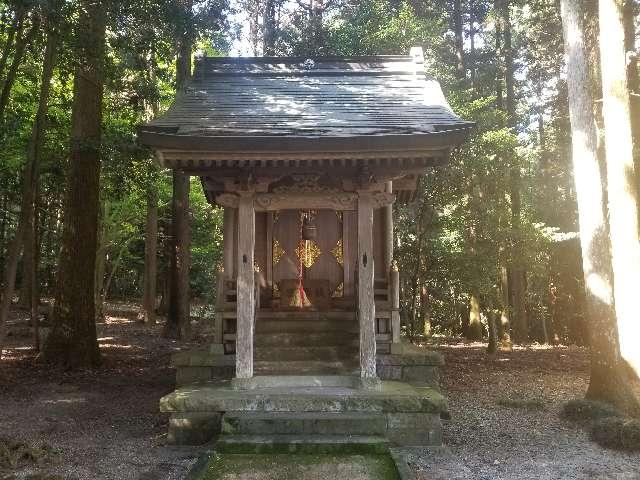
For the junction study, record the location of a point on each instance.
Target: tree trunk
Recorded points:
(474, 330)
(519, 321)
(621, 179)
(459, 39)
(630, 12)
(499, 56)
(607, 382)
(21, 45)
(151, 256)
(15, 31)
(178, 321)
(72, 341)
(269, 26)
(472, 44)
(26, 229)
(492, 346)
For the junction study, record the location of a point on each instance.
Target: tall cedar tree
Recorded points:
(178, 317)
(607, 382)
(621, 180)
(72, 341)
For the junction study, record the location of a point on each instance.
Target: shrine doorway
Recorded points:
(317, 263)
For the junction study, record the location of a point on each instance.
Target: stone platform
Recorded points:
(396, 412)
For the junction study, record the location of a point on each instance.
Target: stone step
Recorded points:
(305, 444)
(304, 423)
(305, 367)
(318, 353)
(298, 381)
(294, 325)
(305, 339)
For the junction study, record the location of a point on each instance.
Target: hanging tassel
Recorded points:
(300, 299)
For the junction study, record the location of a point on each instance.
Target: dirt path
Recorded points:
(106, 425)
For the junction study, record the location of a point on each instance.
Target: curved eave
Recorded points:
(439, 140)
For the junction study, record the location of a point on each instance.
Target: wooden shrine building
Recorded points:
(307, 157)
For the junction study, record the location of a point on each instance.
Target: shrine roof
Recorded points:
(324, 104)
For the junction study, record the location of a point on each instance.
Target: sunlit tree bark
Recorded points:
(621, 178)
(607, 382)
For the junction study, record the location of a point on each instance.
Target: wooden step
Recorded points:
(305, 367)
(317, 353)
(306, 339)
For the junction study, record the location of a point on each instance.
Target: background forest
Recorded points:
(494, 232)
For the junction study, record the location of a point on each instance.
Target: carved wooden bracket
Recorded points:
(309, 201)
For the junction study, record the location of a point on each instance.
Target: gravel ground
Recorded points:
(487, 441)
(106, 425)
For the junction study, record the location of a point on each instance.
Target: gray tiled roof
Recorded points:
(295, 97)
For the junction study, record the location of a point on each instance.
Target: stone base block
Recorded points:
(193, 428)
(414, 429)
(418, 367)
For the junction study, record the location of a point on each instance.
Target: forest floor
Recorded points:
(105, 424)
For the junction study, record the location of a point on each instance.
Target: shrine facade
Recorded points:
(307, 157)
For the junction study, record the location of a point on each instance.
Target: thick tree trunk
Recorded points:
(630, 12)
(26, 229)
(621, 178)
(459, 39)
(151, 256)
(178, 321)
(474, 330)
(72, 341)
(607, 382)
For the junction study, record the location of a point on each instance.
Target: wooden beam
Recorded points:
(366, 303)
(245, 290)
(331, 200)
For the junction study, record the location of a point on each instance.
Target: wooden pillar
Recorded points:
(269, 265)
(228, 232)
(347, 226)
(387, 218)
(366, 304)
(245, 288)
(394, 297)
(219, 315)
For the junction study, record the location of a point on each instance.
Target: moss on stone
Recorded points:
(293, 467)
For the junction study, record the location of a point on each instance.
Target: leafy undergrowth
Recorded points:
(15, 454)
